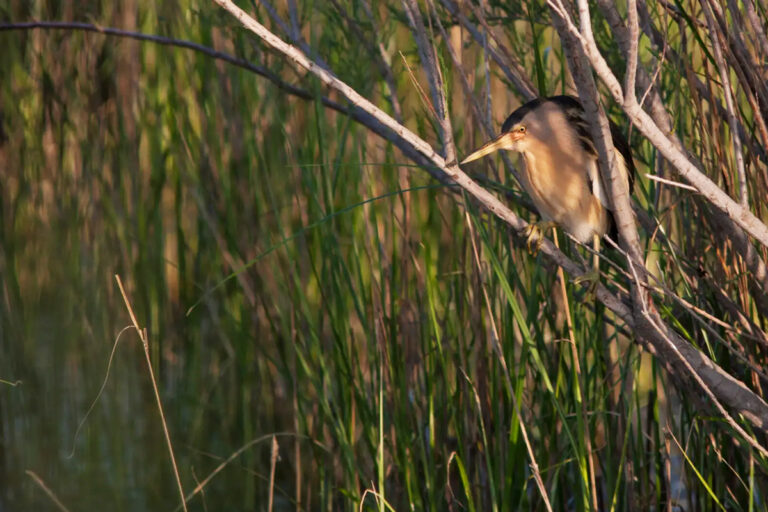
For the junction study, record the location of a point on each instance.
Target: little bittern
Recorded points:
(560, 170)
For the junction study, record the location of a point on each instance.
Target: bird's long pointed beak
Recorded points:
(503, 141)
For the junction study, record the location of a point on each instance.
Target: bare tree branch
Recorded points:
(661, 117)
(663, 341)
(742, 216)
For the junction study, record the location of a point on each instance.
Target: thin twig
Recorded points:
(47, 490)
(145, 342)
(670, 182)
(99, 393)
(218, 469)
(723, 69)
(272, 466)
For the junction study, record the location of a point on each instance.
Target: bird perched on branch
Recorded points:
(560, 170)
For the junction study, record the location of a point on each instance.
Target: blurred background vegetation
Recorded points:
(300, 278)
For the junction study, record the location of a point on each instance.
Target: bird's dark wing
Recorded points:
(621, 144)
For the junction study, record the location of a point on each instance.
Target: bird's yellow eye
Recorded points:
(521, 129)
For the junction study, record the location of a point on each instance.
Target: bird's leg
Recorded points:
(534, 234)
(592, 276)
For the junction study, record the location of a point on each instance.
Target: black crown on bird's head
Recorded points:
(569, 104)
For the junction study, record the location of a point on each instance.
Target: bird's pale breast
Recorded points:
(561, 192)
